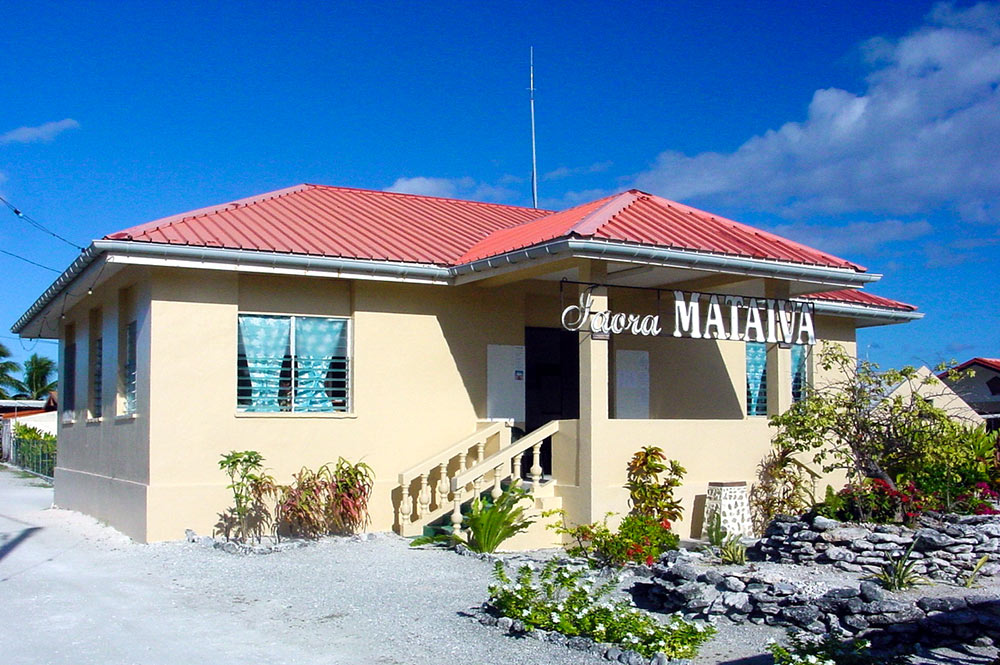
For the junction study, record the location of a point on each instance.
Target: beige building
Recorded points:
(449, 344)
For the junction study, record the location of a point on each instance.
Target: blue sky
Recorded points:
(871, 130)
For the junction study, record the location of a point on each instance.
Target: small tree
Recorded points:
(7, 370)
(860, 423)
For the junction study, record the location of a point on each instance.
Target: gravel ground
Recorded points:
(74, 591)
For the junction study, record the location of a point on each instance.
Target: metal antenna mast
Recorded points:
(534, 164)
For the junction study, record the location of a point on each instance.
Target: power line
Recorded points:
(16, 256)
(37, 225)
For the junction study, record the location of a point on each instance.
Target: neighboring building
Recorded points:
(19, 406)
(982, 389)
(419, 334)
(930, 388)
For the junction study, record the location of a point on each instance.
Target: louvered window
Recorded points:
(298, 364)
(756, 379)
(800, 368)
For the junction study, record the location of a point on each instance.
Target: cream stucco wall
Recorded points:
(418, 375)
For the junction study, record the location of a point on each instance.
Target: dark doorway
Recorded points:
(552, 383)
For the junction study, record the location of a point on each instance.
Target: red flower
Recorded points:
(649, 560)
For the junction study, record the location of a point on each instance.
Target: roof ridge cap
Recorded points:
(598, 218)
(544, 212)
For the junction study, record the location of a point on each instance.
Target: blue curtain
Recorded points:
(265, 341)
(756, 379)
(798, 371)
(317, 342)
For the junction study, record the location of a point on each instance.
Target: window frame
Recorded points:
(348, 408)
(67, 387)
(806, 351)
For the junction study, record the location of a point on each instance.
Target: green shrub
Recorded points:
(249, 517)
(733, 551)
(639, 539)
(488, 523)
(715, 532)
(649, 495)
(36, 450)
(829, 649)
(325, 501)
(899, 574)
(560, 600)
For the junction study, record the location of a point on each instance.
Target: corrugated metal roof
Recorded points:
(991, 363)
(338, 221)
(638, 217)
(367, 224)
(856, 297)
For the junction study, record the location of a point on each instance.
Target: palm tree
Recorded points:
(7, 370)
(38, 371)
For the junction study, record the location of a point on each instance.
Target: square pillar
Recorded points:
(594, 376)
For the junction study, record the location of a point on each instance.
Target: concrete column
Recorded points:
(593, 397)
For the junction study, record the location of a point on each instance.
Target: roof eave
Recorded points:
(865, 315)
(184, 256)
(666, 257)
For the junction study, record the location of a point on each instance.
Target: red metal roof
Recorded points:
(367, 224)
(638, 217)
(855, 297)
(338, 221)
(991, 363)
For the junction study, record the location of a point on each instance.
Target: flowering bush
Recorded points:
(639, 539)
(560, 600)
(829, 649)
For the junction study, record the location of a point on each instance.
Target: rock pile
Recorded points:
(865, 610)
(945, 548)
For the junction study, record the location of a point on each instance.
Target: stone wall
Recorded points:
(864, 610)
(946, 547)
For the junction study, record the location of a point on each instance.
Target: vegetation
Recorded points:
(899, 574)
(785, 486)
(639, 539)
(558, 599)
(733, 551)
(648, 494)
(644, 534)
(902, 455)
(38, 379)
(715, 532)
(326, 501)
(8, 368)
(249, 517)
(829, 649)
(488, 523)
(970, 580)
(36, 450)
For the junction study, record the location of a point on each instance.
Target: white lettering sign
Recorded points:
(782, 320)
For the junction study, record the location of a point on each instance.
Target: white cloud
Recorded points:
(45, 132)
(854, 237)
(466, 188)
(565, 171)
(924, 134)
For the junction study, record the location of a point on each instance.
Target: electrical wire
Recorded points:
(34, 263)
(20, 215)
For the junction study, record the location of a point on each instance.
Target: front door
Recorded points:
(552, 382)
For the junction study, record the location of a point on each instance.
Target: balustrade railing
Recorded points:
(444, 482)
(425, 488)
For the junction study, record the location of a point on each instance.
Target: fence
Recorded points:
(33, 450)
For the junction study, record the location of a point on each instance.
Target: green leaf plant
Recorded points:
(488, 523)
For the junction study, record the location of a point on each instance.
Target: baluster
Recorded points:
(405, 507)
(536, 467)
(424, 497)
(442, 485)
(497, 490)
(480, 451)
(516, 471)
(456, 514)
(461, 465)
